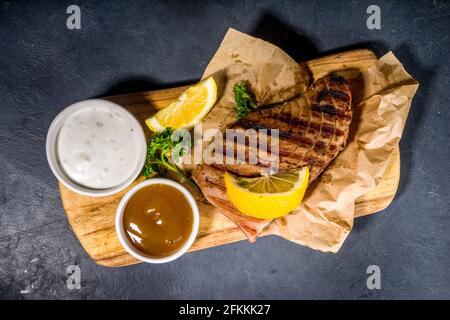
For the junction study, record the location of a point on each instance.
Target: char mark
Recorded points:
(337, 79)
(289, 134)
(326, 108)
(333, 93)
(330, 110)
(327, 129)
(285, 134)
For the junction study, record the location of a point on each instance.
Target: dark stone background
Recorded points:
(129, 46)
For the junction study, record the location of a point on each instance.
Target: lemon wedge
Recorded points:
(188, 109)
(268, 197)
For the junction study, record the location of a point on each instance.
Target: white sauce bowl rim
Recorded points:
(52, 138)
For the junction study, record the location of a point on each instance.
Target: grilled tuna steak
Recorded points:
(313, 129)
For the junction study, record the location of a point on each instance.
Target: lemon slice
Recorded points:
(268, 197)
(188, 109)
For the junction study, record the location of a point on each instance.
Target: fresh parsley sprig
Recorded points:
(244, 102)
(160, 155)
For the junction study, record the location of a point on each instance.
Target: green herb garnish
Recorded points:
(163, 150)
(244, 102)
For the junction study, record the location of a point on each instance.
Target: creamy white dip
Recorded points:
(98, 147)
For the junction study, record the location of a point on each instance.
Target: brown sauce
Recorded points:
(157, 220)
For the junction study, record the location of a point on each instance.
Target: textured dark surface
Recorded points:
(143, 45)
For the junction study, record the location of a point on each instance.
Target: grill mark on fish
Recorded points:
(337, 79)
(286, 149)
(320, 146)
(324, 146)
(308, 130)
(329, 109)
(333, 93)
(295, 122)
(283, 135)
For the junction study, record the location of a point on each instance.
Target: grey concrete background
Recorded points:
(129, 46)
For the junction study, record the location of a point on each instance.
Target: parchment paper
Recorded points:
(325, 217)
(270, 74)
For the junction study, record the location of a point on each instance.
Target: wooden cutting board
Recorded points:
(92, 219)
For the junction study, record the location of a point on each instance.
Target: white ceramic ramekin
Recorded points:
(121, 232)
(51, 145)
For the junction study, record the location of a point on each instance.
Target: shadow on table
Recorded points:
(298, 45)
(140, 83)
(414, 129)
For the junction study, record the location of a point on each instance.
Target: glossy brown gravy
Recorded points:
(157, 220)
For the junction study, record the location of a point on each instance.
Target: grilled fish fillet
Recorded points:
(313, 129)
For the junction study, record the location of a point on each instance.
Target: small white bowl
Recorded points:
(52, 140)
(121, 232)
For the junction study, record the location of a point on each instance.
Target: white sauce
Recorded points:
(98, 147)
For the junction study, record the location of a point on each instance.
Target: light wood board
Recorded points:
(92, 219)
